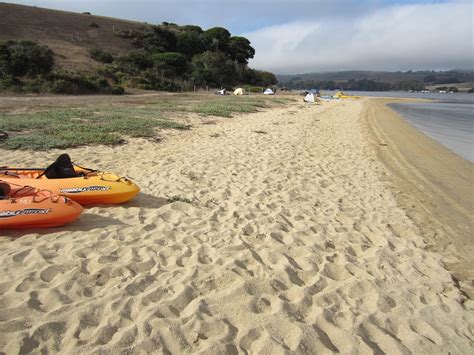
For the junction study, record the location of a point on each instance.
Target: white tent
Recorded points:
(268, 92)
(309, 98)
(239, 91)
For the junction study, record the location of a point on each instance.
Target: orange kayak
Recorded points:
(27, 207)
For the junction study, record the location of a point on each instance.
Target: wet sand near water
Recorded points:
(434, 186)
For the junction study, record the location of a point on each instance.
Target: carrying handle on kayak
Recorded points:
(28, 189)
(118, 179)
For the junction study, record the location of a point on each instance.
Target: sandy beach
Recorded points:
(282, 231)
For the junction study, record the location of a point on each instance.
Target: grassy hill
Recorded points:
(70, 35)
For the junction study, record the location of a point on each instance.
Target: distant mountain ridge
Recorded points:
(440, 77)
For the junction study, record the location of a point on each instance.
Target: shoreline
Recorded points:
(430, 182)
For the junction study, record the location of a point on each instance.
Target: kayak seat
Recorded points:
(62, 168)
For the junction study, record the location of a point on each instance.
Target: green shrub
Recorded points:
(257, 89)
(37, 85)
(100, 55)
(117, 90)
(169, 64)
(77, 85)
(20, 58)
(10, 83)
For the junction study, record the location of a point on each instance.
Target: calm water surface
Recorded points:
(448, 119)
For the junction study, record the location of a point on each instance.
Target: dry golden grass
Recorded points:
(68, 34)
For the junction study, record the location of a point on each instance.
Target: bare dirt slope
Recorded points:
(70, 35)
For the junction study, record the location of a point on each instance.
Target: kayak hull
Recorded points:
(92, 188)
(37, 209)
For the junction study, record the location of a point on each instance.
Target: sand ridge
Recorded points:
(291, 242)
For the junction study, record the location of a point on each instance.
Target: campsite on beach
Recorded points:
(179, 189)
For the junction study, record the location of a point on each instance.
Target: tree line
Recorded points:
(172, 57)
(166, 57)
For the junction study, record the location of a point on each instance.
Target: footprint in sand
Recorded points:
(281, 238)
(336, 272)
(261, 305)
(426, 330)
(48, 274)
(19, 257)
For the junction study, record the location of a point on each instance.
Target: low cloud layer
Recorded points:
(400, 37)
(237, 15)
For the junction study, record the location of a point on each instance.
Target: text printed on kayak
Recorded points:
(78, 190)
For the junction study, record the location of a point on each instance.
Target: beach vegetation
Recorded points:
(177, 198)
(109, 125)
(63, 128)
(228, 106)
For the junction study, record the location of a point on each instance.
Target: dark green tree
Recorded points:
(213, 68)
(190, 43)
(134, 62)
(169, 64)
(217, 39)
(264, 78)
(191, 28)
(240, 50)
(159, 38)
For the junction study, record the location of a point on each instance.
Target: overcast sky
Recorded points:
(299, 36)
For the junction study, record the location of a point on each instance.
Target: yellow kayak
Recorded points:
(82, 185)
(342, 95)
